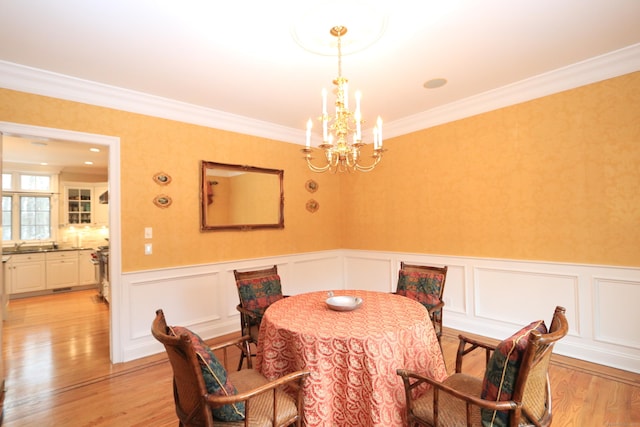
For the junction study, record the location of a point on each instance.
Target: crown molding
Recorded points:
(32, 80)
(607, 66)
(41, 82)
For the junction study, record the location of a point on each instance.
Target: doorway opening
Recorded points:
(112, 146)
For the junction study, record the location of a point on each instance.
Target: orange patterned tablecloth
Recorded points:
(352, 356)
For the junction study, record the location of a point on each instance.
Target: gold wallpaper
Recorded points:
(150, 145)
(552, 179)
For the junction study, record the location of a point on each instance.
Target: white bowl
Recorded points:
(344, 303)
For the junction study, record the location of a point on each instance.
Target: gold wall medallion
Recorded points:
(311, 186)
(312, 205)
(162, 201)
(162, 178)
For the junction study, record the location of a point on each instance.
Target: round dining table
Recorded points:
(352, 355)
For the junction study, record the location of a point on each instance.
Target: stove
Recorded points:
(101, 259)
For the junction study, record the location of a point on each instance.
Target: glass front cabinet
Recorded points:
(78, 205)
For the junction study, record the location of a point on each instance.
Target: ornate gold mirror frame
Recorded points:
(240, 197)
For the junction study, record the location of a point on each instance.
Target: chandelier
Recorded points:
(342, 132)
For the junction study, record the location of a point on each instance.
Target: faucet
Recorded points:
(17, 245)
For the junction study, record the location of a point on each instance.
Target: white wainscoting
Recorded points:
(204, 297)
(490, 297)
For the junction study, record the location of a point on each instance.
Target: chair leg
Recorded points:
(242, 356)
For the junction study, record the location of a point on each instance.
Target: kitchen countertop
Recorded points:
(39, 250)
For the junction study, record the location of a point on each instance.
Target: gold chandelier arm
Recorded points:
(345, 164)
(314, 168)
(377, 157)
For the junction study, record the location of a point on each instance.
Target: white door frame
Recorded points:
(115, 249)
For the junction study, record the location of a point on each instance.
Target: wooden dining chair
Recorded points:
(424, 284)
(257, 290)
(207, 394)
(515, 390)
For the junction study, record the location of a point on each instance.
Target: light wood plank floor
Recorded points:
(58, 374)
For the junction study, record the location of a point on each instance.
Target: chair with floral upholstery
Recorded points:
(515, 390)
(424, 284)
(257, 289)
(207, 394)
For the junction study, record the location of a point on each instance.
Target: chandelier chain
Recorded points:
(339, 52)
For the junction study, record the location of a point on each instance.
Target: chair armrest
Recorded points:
(467, 345)
(242, 343)
(436, 307)
(293, 379)
(246, 312)
(232, 342)
(412, 380)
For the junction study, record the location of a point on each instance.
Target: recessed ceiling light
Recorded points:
(88, 163)
(44, 164)
(435, 83)
(94, 150)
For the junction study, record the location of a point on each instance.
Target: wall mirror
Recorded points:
(238, 197)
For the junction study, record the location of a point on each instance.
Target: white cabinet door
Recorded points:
(77, 204)
(27, 273)
(86, 269)
(100, 210)
(8, 277)
(5, 290)
(62, 269)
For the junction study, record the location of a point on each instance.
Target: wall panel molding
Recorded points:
(489, 297)
(618, 319)
(167, 288)
(499, 295)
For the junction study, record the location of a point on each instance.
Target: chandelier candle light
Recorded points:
(343, 154)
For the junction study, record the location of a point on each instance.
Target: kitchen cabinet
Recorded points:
(81, 205)
(61, 269)
(78, 204)
(86, 268)
(5, 289)
(25, 273)
(101, 204)
(36, 272)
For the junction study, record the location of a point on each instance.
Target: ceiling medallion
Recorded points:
(366, 22)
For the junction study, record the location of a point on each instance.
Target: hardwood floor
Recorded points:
(58, 373)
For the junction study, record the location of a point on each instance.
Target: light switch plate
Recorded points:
(148, 249)
(148, 232)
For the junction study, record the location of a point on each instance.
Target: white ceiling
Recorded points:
(240, 57)
(53, 156)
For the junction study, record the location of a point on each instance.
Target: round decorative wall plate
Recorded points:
(311, 186)
(162, 201)
(162, 178)
(312, 205)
